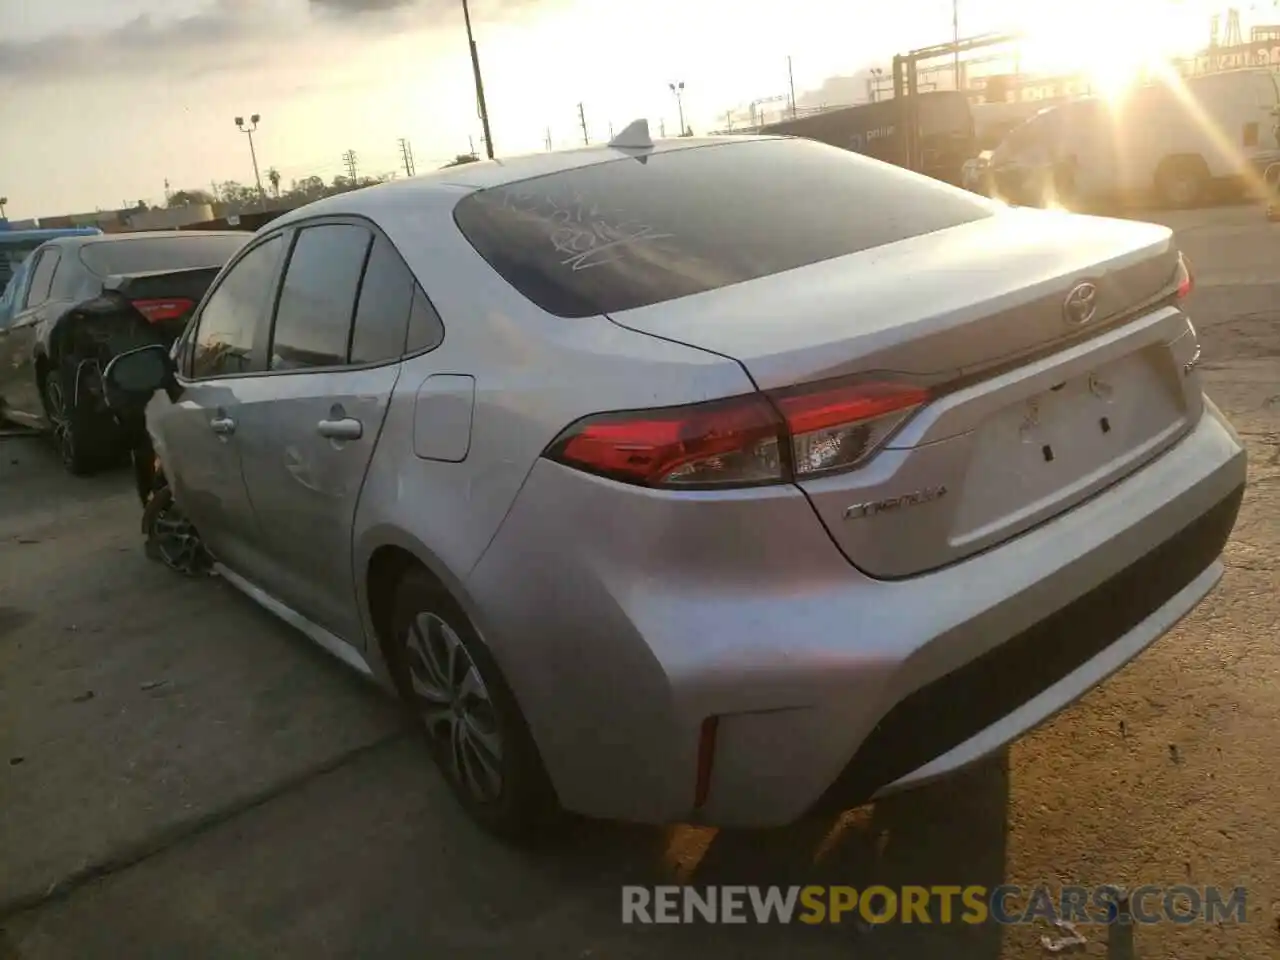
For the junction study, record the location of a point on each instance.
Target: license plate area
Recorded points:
(1038, 456)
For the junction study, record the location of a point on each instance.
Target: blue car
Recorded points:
(15, 253)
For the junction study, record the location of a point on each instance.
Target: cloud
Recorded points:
(228, 35)
(144, 44)
(355, 7)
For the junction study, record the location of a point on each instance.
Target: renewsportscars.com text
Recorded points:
(1181, 904)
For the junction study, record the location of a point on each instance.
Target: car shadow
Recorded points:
(952, 833)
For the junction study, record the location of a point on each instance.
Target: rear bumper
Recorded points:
(624, 618)
(999, 695)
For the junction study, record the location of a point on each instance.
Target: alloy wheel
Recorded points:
(176, 541)
(59, 419)
(455, 707)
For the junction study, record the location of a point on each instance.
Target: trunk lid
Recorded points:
(188, 284)
(1032, 413)
(940, 305)
(165, 298)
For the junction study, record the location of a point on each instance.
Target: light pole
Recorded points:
(678, 89)
(253, 125)
(955, 36)
(475, 69)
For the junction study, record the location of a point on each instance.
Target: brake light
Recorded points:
(750, 440)
(1183, 278)
(723, 442)
(157, 311)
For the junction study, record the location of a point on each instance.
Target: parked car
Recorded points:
(16, 245)
(1171, 143)
(663, 488)
(82, 300)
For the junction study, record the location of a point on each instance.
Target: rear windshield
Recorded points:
(139, 255)
(633, 232)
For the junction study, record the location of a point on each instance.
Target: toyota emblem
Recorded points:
(1081, 304)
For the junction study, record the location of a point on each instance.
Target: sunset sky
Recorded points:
(105, 99)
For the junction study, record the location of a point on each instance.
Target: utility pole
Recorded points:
(349, 161)
(471, 145)
(582, 119)
(4, 202)
(955, 36)
(481, 109)
(406, 155)
(253, 125)
(662, 128)
(791, 79)
(677, 88)
(548, 139)
(611, 131)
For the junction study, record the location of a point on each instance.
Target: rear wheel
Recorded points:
(67, 425)
(1182, 181)
(473, 727)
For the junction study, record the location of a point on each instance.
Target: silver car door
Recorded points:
(311, 425)
(198, 434)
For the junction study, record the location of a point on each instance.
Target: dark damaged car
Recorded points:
(82, 301)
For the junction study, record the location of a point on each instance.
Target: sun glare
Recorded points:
(1111, 45)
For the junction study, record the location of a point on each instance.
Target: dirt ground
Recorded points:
(180, 776)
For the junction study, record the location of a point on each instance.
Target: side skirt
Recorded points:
(317, 634)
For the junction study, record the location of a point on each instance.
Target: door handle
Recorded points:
(222, 425)
(348, 428)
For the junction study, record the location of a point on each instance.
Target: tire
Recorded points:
(473, 728)
(68, 425)
(171, 538)
(1182, 182)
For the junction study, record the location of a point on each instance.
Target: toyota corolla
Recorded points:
(713, 480)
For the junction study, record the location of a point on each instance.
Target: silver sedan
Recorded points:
(709, 480)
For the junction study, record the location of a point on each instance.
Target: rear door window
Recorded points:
(633, 232)
(42, 277)
(382, 316)
(318, 297)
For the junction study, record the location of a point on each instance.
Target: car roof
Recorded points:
(76, 242)
(40, 235)
(455, 182)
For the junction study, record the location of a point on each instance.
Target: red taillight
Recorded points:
(1183, 278)
(157, 311)
(743, 441)
(733, 441)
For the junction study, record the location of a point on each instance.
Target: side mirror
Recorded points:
(133, 377)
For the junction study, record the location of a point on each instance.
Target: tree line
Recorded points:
(235, 196)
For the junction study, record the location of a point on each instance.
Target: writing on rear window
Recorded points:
(584, 233)
(636, 231)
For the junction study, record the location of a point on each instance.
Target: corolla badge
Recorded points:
(1081, 304)
(873, 507)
